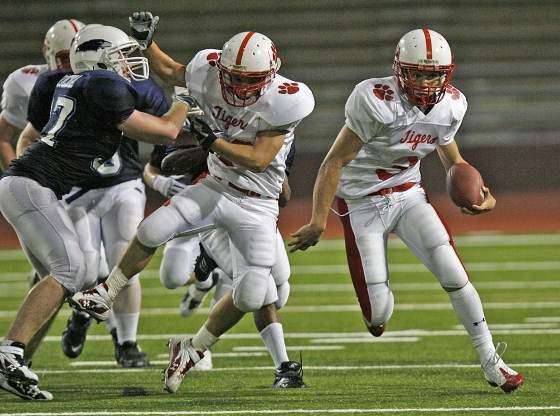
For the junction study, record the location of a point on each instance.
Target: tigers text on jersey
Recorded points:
(281, 108)
(81, 134)
(396, 135)
(16, 91)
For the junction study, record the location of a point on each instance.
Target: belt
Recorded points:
(244, 191)
(399, 188)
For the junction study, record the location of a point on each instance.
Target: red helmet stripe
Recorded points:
(242, 47)
(74, 25)
(428, 43)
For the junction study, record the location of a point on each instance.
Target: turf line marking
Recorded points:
(293, 411)
(363, 340)
(307, 367)
(295, 348)
(543, 319)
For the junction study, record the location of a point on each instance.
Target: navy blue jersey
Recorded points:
(290, 158)
(124, 165)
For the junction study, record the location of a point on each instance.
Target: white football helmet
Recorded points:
(99, 47)
(57, 42)
(248, 64)
(423, 66)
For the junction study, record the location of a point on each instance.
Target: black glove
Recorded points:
(142, 27)
(200, 128)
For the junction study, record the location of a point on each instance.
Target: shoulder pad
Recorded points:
(285, 102)
(201, 62)
(457, 102)
(374, 98)
(24, 78)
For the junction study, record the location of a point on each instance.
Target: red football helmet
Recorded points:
(248, 64)
(423, 66)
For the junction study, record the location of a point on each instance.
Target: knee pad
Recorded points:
(448, 268)
(250, 291)
(171, 276)
(160, 227)
(382, 302)
(283, 294)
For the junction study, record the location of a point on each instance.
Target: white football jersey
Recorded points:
(281, 108)
(15, 96)
(396, 135)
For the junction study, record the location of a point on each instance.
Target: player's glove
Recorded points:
(142, 28)
(200, 128)
(184, 160)
(167, 186)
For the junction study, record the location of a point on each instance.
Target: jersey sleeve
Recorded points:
(38, 110)
(361, 116)
(14, 103)
(113, 100)
(458, 110)
(291, 157)
(152, 99)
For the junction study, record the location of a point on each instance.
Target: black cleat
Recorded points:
(29, 392)
(74, 335)
(289, 375)
(204, 265)
(194, 297)
(129, 355)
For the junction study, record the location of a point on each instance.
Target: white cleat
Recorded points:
(94, 301)
(182, 357)
(499, 374)
(13, 368)
(205, 363)
(29, 392)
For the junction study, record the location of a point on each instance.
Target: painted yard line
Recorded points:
(331, 335)
(544, 319)
(341, 308)
(493, 327)
(419, 268)
(310, 368)
(295, 347)
(293, 411)
(166, 362)
(361, 340)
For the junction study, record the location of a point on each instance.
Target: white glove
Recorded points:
(167, 186)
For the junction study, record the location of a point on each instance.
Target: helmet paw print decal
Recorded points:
(455, 94)
(212, 58)
(288, 88)
(383, 92)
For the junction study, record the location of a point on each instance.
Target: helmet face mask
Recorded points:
(98, 47)
(247, 66)
(423, 67)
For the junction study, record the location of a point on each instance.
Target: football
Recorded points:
(464, 185)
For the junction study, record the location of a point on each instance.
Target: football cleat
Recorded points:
(182, 357)
(195, 296)
(204, 265)
(74, 335)
(13, 367)
(498, 374)
(205, 363)
(29, 392)
(94, 301)
(289, 375)
(129, 354)
(376, 330)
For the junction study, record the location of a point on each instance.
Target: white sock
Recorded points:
(203, 339)
(115, 282)
(468, 307)
(273, 339)
(127, 325)
(205, 285)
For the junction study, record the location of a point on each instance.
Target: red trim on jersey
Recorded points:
(242, 47)
(74, 25)
(354, 261)
(428, 43)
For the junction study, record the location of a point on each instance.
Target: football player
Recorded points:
(91, 110)
(105, 209)
(373, 168)
(252, 113)
(15, 97)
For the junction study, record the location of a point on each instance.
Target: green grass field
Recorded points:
(424, 364)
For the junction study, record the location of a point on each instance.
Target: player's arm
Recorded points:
(170, 71)
(286, 194)
(449, 155)
(147, 128)
(344, 150)
(27, 136)
(254, 157)
(7, 132)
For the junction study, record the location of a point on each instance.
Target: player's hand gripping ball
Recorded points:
(464, 185)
